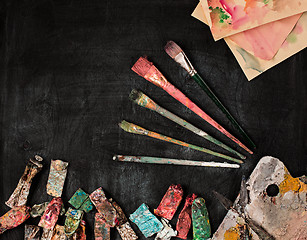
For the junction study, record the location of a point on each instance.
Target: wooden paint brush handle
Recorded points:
(218, 103)
(132, 128)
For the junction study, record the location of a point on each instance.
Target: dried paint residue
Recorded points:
(104, 207)
(200, 220)
(59, 233)
(265, 41)
(292, 37)
(250, 61)
(239, 232)
(14, 217)
(170, 202)
(291, 184)
(72, 221)
(236, 15)
(146, 221)
(221, 14)
(20, 195)
(232, 234)
(102, 229)
(56, 179)
(185, 217)
(51, 214)
(32, 232)
(279, 5)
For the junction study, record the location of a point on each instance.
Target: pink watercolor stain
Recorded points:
(264, 41)
(237, 13)
(298, 29)
(241, 15)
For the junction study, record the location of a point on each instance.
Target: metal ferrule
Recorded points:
(184, 62)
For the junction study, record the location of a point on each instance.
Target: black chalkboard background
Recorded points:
(65, 81)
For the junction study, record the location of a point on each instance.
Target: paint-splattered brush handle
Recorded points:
(170, 161)
(196, 130)
(172, 140)
(178, 95)
(144, 101)
(132, 128)
(198, 79)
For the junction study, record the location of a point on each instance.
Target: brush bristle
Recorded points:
(142, 66)
(135, 95)
(124, 125)
(172, 49)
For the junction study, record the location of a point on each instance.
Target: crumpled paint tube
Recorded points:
(14, 217)
(80, 200)
(146, 221)
(38, 210)
(102, 229)
(20, 195)
(120, 215)
(170, 202)
(80, 232)
(87, 206)
(126, 232)
(104, 207)
(51, 214)
(31, 232)
(72, 221)
(123, 226)
(47, 234)
(167, 232)
(184, 219)
(56, 179)
(200, 220)
(59, 233)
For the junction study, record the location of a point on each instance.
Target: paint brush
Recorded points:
(176, 53)
(157, 160)
(147, 70)
(144, 101)
(132, 128)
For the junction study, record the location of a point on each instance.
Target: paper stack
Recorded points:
(260, 33)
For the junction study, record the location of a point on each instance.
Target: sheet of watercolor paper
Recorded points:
(253, 66)
(227, 17)
(264, 41)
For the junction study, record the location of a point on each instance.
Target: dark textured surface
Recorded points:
(65, 81)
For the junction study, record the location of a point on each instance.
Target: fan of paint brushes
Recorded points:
(147, 70)
(176, 53)
(144, 101)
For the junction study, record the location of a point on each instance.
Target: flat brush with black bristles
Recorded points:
(144, 101)
(176, 53)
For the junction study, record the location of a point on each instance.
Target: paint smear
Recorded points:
(170, 202)
(279, 5)
(291, 184)
(228, 17)
(293, 36)
(232, 234)
(250, 61)
(265, 41)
